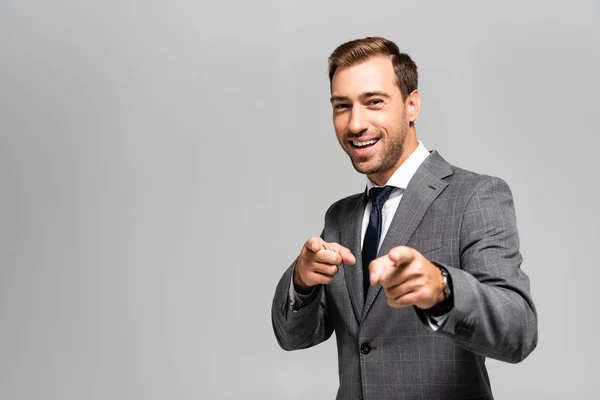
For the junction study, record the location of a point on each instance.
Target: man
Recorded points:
(419, 275)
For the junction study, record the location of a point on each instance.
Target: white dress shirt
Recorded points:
(400, 180)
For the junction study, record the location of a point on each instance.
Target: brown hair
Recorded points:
(361, 50)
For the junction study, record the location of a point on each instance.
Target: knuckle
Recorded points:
(418, 266)
(307, 254)
(332, 258)
(312, 241)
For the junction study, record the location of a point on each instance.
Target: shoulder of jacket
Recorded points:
(343, 204)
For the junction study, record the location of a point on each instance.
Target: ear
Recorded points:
(413, 106)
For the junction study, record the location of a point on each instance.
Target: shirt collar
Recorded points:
(407, 169)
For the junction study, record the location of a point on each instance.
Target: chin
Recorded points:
(365, 168)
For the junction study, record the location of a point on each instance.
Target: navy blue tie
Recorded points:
(378, 196)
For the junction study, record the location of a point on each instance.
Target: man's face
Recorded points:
(370, 117)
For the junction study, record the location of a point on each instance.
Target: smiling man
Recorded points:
(419, 275)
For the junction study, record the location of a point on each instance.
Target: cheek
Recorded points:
(384, 120)
(338, 136)
(339, 125)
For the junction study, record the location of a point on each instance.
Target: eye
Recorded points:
(340, 106)
(375, 102)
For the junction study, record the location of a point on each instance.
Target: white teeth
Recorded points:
(362, 144)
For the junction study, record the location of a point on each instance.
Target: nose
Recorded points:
(358, 122)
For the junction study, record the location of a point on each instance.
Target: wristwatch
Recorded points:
(446, 305)
(445, 284)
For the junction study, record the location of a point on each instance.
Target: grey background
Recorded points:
(161, 164)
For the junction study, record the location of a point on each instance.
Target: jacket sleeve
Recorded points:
(493, 313)
(299, 329)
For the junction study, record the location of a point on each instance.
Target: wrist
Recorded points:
(299, 286)
(447, 295)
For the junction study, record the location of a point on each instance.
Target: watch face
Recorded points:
(447, 292)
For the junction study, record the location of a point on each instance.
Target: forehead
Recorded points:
(375, 74)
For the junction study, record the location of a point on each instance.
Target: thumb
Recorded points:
(314, 244)
(401, 255)
(347, 256)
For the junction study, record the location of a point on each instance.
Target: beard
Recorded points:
(391, 151)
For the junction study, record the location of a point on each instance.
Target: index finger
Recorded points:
(347, 256)
(377, 268)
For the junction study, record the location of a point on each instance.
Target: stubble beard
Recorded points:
(388, 156)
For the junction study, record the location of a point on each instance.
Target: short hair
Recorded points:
(360, 50)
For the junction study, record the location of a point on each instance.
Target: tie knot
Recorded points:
(379, 195)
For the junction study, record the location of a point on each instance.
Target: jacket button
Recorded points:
(365, 348)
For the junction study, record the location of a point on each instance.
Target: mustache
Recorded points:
(368, 133)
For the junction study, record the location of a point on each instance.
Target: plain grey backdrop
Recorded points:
(162, 163)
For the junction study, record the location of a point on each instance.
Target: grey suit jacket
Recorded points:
(461, 220)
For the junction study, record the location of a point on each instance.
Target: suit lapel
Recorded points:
(350, 238)
(424, 187)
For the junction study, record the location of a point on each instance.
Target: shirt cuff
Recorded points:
(436, 322)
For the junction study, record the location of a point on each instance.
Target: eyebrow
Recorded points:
(362, 96)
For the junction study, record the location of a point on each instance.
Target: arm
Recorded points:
(309, 325)
(299, 329)
(493, 313)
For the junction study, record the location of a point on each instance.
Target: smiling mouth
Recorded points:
(362, 144)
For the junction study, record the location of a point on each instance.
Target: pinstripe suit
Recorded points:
(461, 220)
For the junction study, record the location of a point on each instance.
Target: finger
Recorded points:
(347, 256)
(394, 276)
(397, 291)
(402, 255)
(421, 297)
(318, 278)
(377, 267)
(325, 269)
(408, 299)
(314, 244)
(390, 276)
(327, 257)
(415, 292)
